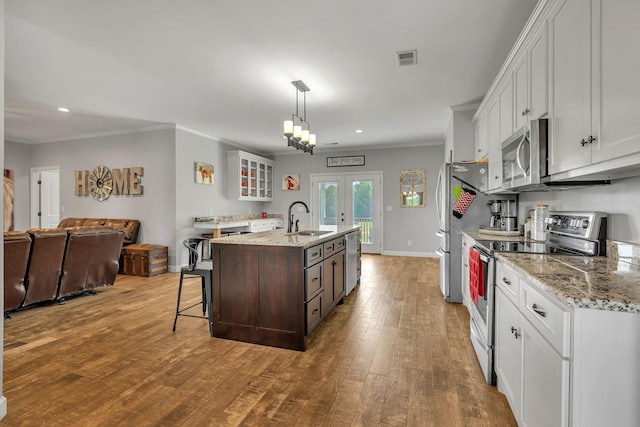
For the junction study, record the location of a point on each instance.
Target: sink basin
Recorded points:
(312, 232)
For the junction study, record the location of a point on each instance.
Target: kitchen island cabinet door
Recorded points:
(259, 295)
(333, 281)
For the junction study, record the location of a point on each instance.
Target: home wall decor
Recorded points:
(345, 161)
(102, 182)
(204, 173)
(291, 182)
(8, 199)
(412, 188)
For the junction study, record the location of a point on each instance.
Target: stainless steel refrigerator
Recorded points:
(458, 182)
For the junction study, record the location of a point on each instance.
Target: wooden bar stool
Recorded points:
(202, 269)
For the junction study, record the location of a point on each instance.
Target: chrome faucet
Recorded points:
(290, 215)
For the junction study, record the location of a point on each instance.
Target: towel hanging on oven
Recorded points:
(476, 275)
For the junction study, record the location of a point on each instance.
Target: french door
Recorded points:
(349, 199)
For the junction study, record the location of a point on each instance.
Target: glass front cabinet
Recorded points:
(250, 176)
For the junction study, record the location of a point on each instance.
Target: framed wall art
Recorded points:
(291, 182)
(333, 162)
(204, 173)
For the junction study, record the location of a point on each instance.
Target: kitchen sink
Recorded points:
(312, 232)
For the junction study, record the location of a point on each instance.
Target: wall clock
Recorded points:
(100, 183)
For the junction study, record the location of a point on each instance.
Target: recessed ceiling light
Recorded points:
(358, 130)
(64, 110)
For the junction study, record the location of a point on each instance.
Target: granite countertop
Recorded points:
(231, 221)
(282, 238)
(603, 283)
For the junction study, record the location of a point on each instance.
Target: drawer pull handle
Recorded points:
(315, 310)
(506, 281)
(314, 254)
(538, 310)
(315, 279)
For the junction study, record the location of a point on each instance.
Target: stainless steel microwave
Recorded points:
(524, 156)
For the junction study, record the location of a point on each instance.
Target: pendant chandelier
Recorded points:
(297, 130)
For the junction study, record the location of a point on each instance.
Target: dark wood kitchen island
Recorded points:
(274, 288)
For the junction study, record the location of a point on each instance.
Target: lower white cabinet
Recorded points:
(564, 366)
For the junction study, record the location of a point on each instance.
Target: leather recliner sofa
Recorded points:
(48, 265)
(16, 258)
(130, 226)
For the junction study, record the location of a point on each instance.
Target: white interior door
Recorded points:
(349, 199)
(45, 197)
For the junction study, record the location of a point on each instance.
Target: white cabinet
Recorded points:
(530, 80)
(495, 150)
(594, 89)
(508, 351)
(467, 242)
(559, 365)
(482, 150)
(250, 176)
(532, 351)
(506, 111)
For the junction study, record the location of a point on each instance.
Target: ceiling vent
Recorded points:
(408, 57)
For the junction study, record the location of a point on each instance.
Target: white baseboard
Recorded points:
(407, 253)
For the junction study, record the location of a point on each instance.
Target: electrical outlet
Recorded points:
(389, 208)
(408, 242)
(210, 211)
(249, 210)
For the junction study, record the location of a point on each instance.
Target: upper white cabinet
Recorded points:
(250, 176)
(482, 149)
(495, 151)
(530, 80)
(595, 91)
(571, 84)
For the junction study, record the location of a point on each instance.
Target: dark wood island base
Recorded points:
(276, 294)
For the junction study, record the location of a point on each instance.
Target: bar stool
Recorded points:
(202, 269)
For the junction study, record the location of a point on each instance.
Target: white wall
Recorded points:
(401, 224)
(199, 199)
(17, 157)
(620, 200)
(153, 150)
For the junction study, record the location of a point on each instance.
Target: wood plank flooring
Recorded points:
(394, 354)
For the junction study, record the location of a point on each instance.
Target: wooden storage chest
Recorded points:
(144, 259)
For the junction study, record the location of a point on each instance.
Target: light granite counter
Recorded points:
(282, 238)
(603, 283)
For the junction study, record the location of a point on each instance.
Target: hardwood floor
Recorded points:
(393, 354)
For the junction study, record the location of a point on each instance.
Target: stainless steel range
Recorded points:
(570, 233)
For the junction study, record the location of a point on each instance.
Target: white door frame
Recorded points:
(35, 193)
(342, 204)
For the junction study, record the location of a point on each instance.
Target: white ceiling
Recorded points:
(223, 68)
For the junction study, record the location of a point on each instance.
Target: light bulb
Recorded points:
(312, 139)
(288, 127)
(305, 135)
(297, 132)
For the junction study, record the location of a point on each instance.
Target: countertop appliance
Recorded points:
(470, 179)
(570, 233)
(351, 273)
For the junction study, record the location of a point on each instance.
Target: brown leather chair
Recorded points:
(90, 259)
(45, 265)
(17, 245)
(131, 226)
(104, 264)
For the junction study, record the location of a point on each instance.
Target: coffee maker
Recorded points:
(504, 215)
(495, 206)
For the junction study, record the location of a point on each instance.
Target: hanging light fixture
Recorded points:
(297, 130)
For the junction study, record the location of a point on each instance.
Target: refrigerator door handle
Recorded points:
(439, 252)
(439, 234)
(438, 191)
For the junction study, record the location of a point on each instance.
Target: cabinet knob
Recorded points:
(515, 332)
(506, 281)
(589, 140)
(526, 111)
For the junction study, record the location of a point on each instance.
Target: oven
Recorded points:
(570, 233)
(481, 307)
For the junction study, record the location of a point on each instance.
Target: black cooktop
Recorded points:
(525, 247)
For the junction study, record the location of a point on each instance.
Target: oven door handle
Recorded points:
(483, 255)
